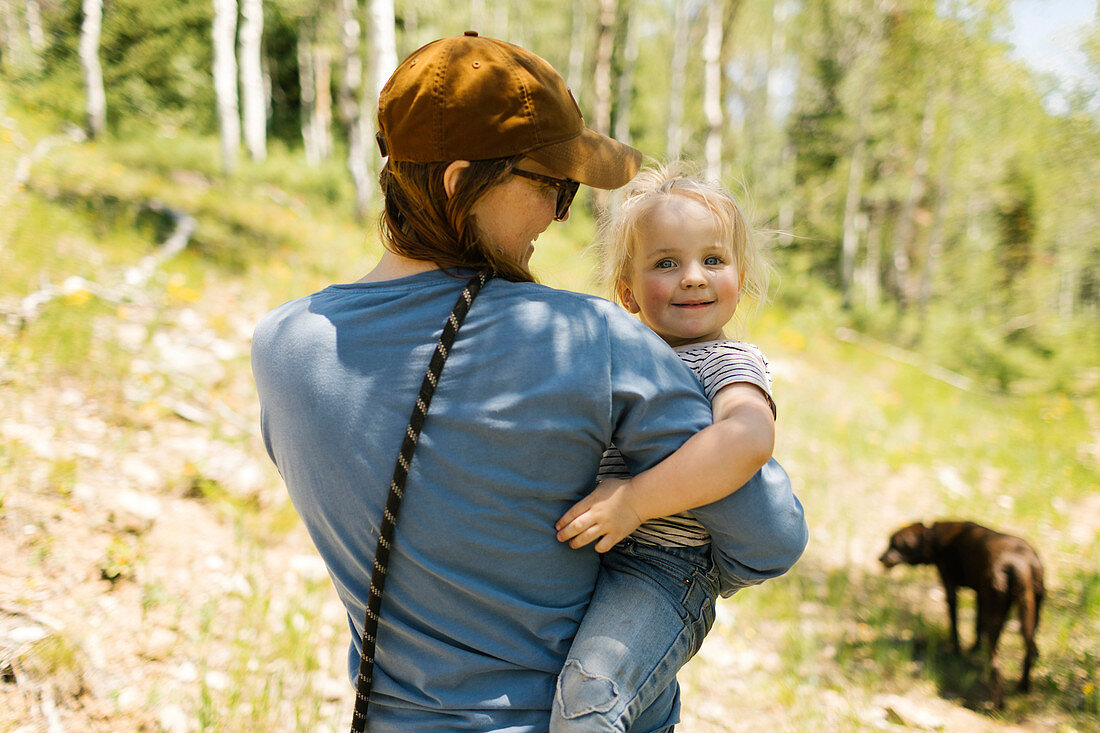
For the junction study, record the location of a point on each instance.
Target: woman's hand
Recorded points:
(605, 515)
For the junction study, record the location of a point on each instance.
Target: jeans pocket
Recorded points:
(699, 605)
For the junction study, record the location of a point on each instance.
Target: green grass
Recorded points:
(267, 681)
(872, 444)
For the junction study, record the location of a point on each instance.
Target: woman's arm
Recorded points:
(712, 464)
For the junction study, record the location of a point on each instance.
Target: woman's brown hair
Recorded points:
(421, 222)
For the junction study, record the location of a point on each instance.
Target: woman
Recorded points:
(486, 148)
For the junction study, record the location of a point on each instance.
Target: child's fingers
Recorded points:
(571, 530)
(584, 522)
(589, 535)
(574, 511)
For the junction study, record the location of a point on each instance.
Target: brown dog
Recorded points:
(1002, 569)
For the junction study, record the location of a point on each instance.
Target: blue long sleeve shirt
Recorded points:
(481, 600)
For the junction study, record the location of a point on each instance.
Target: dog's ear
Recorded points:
(909, 542)
(925, 549)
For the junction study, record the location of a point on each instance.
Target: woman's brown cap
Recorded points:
(474, 98)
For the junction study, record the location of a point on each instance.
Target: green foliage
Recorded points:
(280, 43)
(155, 57)
(817, 124)
(156, 63)
(975, 195)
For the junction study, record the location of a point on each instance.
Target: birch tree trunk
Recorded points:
(307, 95)
(225, 80)
(351, 90)
(602, 77)
(1068, 284)
(90, 28)
(626, 80)
(16, 48)
(34, 26)
(477, 14)
(939, 213)
(9, 35)
(866, 56)
(383, 60)
(315, 80)
(712, 91)
(781, 156)
(383, 45)
(872, 289)
(850, 240)
(253, 102)
(786, 193)
(907, 223)
(493, 21)
(678, 78)
(777, 50)
(574, 76)
(322, 100)
(605, 46)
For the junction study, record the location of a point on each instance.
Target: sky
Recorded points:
(1047, 34)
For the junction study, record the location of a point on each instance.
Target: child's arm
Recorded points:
(712, 464)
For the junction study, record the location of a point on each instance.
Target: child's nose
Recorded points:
(692, 275)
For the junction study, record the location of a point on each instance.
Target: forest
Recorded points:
(898, 160)
(171, 169)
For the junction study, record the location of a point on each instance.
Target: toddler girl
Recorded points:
(679, 255)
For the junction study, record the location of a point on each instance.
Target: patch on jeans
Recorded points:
(581, 693)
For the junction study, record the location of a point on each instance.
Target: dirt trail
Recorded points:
(119, 538)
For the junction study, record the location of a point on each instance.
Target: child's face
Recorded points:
(682, 282)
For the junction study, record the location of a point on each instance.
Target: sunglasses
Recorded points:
(566, 188)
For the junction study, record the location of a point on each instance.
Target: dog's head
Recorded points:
(907, 545)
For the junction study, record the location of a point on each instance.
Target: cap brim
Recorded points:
(590, 158)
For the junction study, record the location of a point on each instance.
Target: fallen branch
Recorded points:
(899, 354)
(139, 274)
(133, 279)
(39, 151)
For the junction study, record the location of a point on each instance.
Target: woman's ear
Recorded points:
(626, 297)
(452, 174)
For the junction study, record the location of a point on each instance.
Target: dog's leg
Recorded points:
(1029, 603)
(979, 615)
(996, 687)
(992, 611)
(951, 591)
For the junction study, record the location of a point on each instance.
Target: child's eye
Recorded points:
(664, 264)
(713, 261)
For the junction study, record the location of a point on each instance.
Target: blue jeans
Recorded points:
(651, 608)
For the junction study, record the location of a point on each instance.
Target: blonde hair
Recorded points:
(657, 184)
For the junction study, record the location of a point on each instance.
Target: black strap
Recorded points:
(397, 492)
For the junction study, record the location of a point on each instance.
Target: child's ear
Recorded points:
(626, 297)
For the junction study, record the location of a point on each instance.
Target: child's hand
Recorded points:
(605, 515)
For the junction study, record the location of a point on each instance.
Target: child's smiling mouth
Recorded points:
(694, 304)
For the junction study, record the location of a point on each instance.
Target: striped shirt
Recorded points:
(716, 364)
